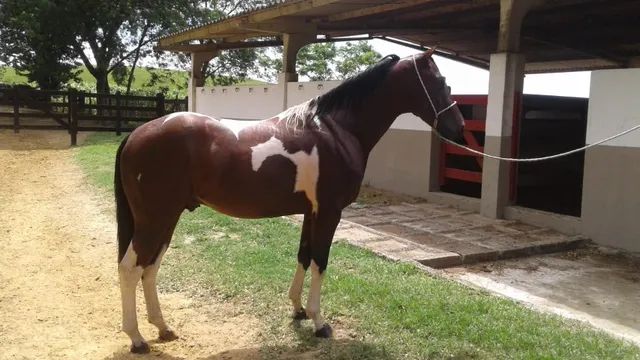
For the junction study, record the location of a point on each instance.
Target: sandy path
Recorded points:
(59, 295)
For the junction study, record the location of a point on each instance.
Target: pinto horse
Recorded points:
(308, 160)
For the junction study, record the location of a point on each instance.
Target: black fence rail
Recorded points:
(74, 111)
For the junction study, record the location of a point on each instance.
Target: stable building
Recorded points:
(594, 193)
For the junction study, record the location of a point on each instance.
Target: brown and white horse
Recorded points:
(308, 160)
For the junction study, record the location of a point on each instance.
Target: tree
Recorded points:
(355, 57)
(315, 61)
(34, 36)
(109, 33)
(322, 62)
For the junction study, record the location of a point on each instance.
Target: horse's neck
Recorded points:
(374, 119)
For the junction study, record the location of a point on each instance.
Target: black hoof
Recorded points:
(324, 332)
(140, 349)
(300, 315)
(167, 335)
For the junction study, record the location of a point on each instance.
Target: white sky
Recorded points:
(466, 79)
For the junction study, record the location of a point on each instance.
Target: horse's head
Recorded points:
(430, 96)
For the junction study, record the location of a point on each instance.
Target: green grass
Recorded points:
(9, 76)
(390, 310)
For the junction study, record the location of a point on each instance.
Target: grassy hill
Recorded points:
(172, 82)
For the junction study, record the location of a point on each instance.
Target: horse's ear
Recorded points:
(430, 52)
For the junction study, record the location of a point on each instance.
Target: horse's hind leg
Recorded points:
(151, 240)
(154, 314)
(130, 274)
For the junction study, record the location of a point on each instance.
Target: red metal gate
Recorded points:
(474, 109)
(449, 171)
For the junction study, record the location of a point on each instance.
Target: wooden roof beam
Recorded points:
(569, 65)
(219, 46)
(450, 10)
(374, 10)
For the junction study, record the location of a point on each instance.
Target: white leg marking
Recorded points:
(295, 291)
(129, 276)
(149, 276)
(139, 177)
(313, 303)
(307, 168)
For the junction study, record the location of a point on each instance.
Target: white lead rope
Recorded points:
(537, 158)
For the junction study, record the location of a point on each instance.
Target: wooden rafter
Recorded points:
(219, 46)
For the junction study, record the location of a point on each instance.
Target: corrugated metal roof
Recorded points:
(267, 4)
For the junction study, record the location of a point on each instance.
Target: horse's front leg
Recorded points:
(304, 257)
(323, 226)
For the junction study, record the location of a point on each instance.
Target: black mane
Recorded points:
(353, 91)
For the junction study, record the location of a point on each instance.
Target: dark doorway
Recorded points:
(551, 125)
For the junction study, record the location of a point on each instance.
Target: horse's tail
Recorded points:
(124, 216)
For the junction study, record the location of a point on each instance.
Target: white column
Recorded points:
(506, 75)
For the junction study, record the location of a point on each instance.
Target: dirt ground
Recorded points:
(59, 294)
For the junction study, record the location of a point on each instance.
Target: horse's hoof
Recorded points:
(167, 335)
(143, 348)
(324, 332)
(300, 315)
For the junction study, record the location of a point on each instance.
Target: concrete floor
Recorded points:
(601, 287)
(592, 284)
(441, 236)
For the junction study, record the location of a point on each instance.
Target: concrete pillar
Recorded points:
(292, 44)
(610, 196)
(506, 75)
(196, 78)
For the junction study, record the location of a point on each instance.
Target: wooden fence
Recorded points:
(73, 111)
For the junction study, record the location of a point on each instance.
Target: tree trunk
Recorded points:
(102, 82)
(137, 56)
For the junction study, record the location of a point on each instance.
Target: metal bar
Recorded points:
(464, 175)
(474, 125)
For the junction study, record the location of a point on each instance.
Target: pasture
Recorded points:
(224, 283)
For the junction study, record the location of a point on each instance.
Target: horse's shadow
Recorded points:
(309, 348)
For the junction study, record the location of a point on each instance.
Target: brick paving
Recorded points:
(440, 236)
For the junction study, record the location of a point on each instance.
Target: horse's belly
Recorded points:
(254, 204)
(247, 194)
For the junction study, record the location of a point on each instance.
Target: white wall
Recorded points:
(262, 102)
(300, 92)
(240, 102)
(614, 106)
